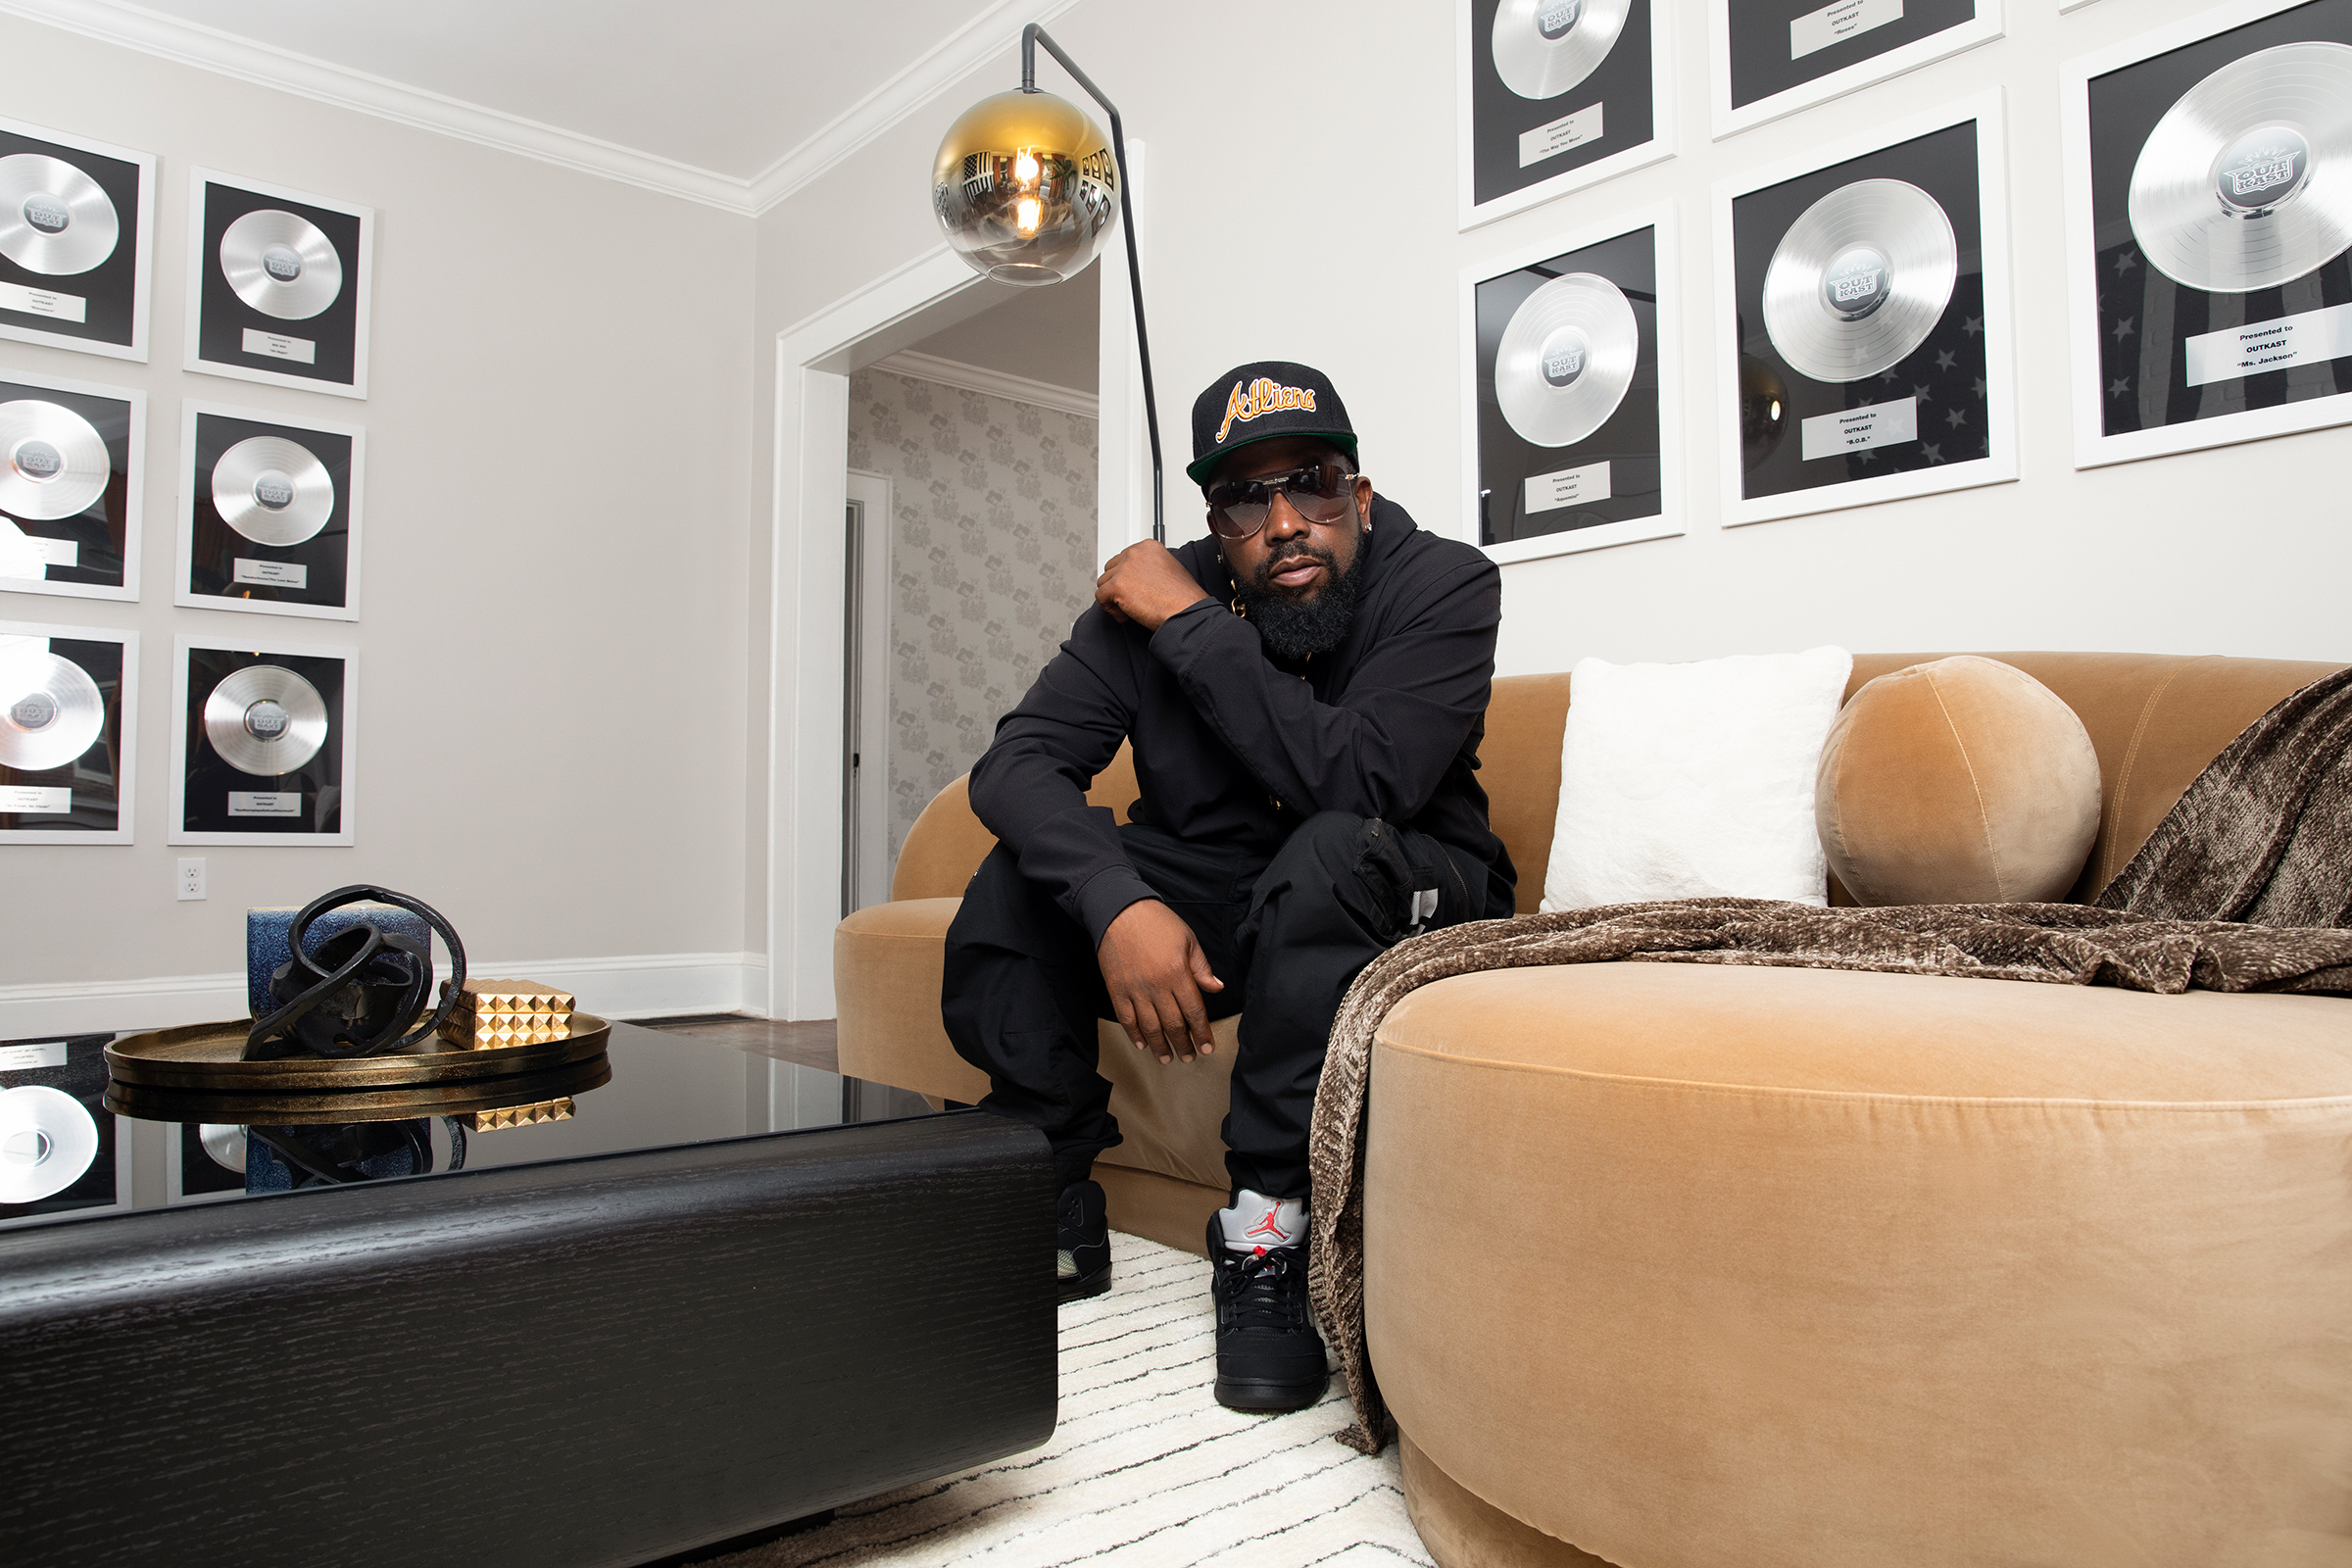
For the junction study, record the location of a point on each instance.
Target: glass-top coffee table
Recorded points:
(699, 1306)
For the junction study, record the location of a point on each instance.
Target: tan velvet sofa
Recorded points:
(1678, 1266)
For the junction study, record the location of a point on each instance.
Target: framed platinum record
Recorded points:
(1868, 291)
(269, 513)
(76, 234)
(69, 723)
(261, 742)
(1769, 58)
(72, 476)
(2209, 221)
(278, 285)
(1574, 435)
(63, 1155)
(1554, 95)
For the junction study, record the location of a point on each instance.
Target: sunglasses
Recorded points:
(1320, 492)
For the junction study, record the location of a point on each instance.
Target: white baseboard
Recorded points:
(656, 985)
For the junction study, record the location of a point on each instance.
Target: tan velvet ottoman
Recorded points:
(1691, 1266)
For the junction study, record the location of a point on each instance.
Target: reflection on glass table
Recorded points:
(648, 1090)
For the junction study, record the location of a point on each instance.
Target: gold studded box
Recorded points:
(507, 1012)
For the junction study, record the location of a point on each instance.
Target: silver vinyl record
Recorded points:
(266, 720)
(271, 490)
(1860, 280)
(2247, 181)
(224, 1144)
(54, 219)
(281, 265)
(47, 1140)
(1544, 47)
(1567, 359)
(50, 709)
(53, 462)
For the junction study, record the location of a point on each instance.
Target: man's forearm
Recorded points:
(1382, 752)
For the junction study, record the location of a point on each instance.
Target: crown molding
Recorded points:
(264, 64)
(995, 30)
(995, 383)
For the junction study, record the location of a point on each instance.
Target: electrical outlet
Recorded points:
(191, 879)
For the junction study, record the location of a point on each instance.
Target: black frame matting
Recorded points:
(222, 319)
(1759, 42)
(200, 1176)
(1628, 440)
(1622, 83)
(100, 531)
(83, 1077)
(2145, 320)
(1947, 372)
(96, 776)
(205, 780)
(111, 299)
(214, 548)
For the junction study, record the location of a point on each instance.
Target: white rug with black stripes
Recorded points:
(1144, 1469)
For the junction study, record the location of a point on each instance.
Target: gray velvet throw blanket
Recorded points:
(2246, 885)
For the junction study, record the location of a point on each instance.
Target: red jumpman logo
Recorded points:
(1268, 1227)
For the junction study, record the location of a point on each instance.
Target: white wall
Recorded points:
(552, 638)
(572, 463)
(2168, 555)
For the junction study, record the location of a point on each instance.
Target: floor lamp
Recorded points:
(1027, 192)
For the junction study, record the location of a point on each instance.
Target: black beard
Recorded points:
(1295, 629)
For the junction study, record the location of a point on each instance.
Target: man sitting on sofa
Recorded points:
(1306, 694)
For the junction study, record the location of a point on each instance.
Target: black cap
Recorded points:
(1256, 402)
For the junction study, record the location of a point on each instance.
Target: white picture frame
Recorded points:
(1999, 466)
(1728, 121)
(360, 278)
(2092, 446)
(134, 490)
(1673, 517)
(345, 736)
(186, 482)
(1474, 213)
(142, 250)
(127, 703)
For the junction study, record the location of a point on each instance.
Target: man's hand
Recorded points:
(1146, 585)
(1154, 970)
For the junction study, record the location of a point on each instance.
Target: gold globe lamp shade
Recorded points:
(1026, 187)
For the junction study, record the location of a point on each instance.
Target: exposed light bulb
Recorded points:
(1027, 213)
(1024, 168)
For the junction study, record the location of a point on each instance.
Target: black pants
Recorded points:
(1287, 934)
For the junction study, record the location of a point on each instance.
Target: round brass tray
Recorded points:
(206, 1056)
(294, 1108)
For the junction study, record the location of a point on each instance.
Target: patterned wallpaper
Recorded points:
(992, 557)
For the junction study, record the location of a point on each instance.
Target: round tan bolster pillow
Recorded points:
(1962, 781)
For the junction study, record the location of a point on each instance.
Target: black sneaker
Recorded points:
(1269, 1356)
(1081, 1243)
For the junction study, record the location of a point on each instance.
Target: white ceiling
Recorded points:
(735, 102)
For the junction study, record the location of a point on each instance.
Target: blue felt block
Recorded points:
(265, 945)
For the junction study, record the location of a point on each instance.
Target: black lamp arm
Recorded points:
(1031, 36)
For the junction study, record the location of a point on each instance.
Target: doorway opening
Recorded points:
(970, 544)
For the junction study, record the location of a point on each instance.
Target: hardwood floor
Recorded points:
(808, 1042)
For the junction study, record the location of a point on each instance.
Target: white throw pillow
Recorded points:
(1694, 781)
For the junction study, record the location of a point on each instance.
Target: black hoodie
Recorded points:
(1234, 747)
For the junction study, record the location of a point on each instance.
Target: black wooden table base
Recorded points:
(585, 1362)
